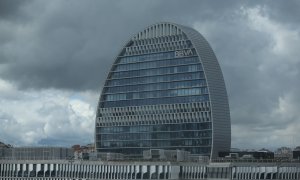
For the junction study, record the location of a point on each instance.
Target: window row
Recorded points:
(162, 39)
(150, 120)
(156, 143)
(155, 94)
(156, 64)
(155, 101)
(156, 128)
(156, 86)
(156, 79)
(163, 114)
(154, 48)
(155, 135)
(149, 57)
(157, 71)
(154, 109)
(203, 150)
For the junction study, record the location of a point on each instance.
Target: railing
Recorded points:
(257, 160)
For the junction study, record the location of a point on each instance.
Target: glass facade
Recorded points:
(155, 79)
(185, 136)
(156, 96)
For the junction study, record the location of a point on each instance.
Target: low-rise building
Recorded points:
(36, 153)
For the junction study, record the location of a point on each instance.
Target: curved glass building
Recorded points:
(165, 90)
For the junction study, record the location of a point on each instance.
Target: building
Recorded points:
(165, 90)
(36, 153)
(247, 155)
(2, 145)
(82, 152)
(296, 153)
(284, 153)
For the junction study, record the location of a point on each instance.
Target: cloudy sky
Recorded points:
(55, 55)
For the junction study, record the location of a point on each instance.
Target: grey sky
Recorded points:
(55, 55)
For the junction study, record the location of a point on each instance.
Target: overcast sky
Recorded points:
(55, 55)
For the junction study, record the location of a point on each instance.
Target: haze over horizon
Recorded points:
(55, 56)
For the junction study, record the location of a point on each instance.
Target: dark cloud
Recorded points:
(70, 45)
(284, 12)
(11, 9)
